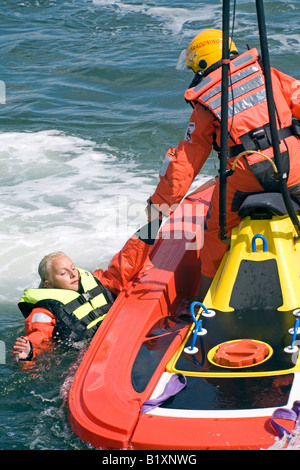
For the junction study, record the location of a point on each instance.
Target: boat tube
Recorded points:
(167, 372)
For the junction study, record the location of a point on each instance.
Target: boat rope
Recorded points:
(296, 326)
(198, 331)
(292, 347)
(251, 152)
(281, 176)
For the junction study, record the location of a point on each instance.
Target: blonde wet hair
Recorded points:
(45, 265)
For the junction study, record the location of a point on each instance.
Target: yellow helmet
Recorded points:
(205, 50)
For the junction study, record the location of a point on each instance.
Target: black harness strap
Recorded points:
(78, 327)
(260, 138)
(85, 297)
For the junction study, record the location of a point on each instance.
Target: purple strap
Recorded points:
(176, 383)
(284, 413)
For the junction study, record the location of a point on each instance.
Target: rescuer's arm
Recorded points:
(131, 259)
(182, 164)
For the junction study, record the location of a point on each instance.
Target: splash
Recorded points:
(288, 442)
(61, 192)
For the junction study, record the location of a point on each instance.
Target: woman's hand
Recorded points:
(21, 348)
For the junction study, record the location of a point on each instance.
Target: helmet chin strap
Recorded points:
(199, 75)
(197, 79)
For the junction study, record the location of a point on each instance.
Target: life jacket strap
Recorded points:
(260, 138)
(77, 329)
(83, 298)
(77, 326)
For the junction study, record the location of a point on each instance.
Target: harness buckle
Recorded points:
(260, 138)
(85, 297)
(92, 315)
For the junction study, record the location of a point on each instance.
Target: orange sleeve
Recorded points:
(291, 90)
(39, 326)
(182, 165)
(132, 258)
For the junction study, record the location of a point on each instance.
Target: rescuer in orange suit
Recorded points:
(70, 303)
(248, 129)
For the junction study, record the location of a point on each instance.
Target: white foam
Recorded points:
(174, 18)
(60, 192)
(282, 43)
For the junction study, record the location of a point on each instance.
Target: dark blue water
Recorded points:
(93, 101)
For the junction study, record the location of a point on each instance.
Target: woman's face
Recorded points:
(63, 274)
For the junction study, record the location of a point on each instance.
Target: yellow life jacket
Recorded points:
(78, 315)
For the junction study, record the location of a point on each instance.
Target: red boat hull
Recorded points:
(105, 399)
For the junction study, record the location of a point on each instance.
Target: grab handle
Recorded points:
(265, 245)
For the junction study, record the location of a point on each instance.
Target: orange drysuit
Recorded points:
(133, 258)
(248, 111)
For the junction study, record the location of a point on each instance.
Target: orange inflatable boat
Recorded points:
(165, 372)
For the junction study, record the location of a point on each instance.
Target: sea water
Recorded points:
(90, 101)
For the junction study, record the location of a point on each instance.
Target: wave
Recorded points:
(173, 17)
(188, 20)
(60, 192)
